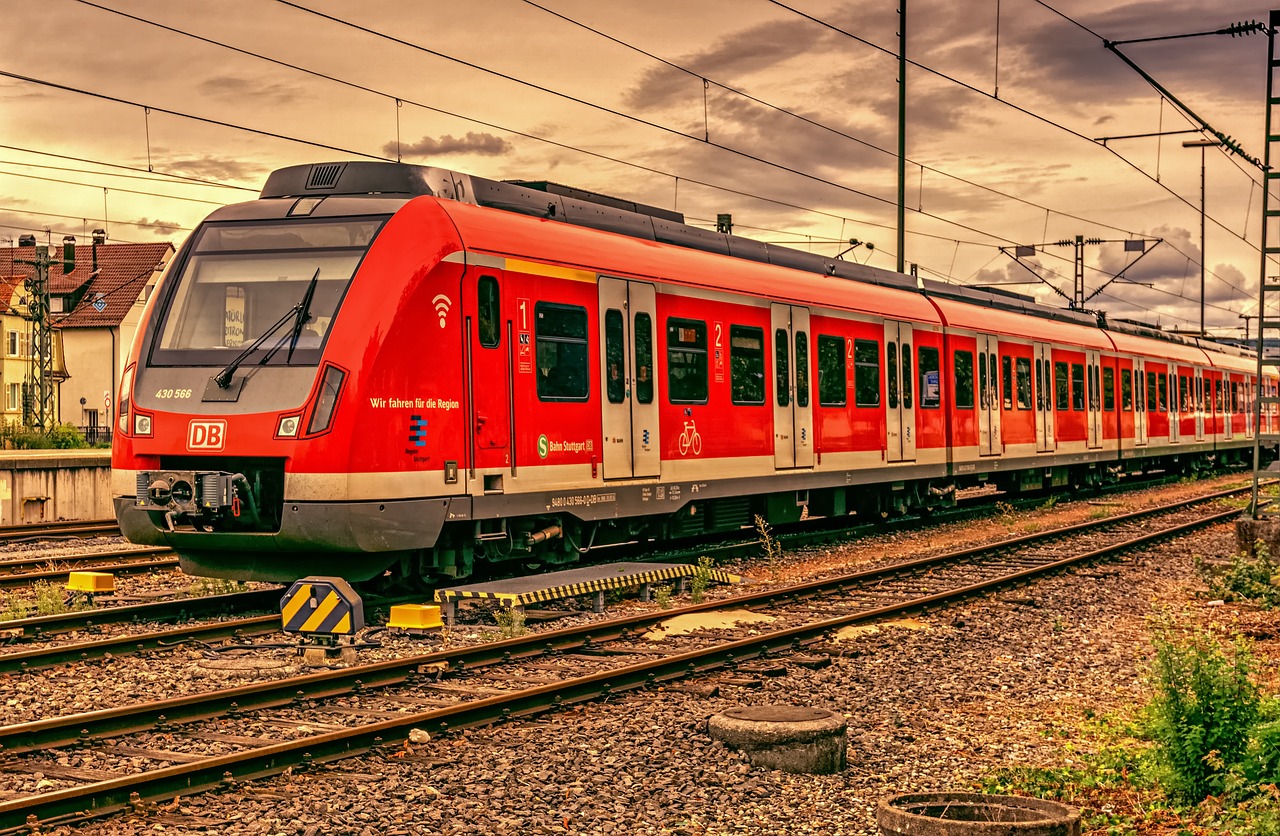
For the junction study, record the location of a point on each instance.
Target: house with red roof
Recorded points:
(95, 309)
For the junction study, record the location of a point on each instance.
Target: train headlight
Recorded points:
(141, 424)
(288, 427)
(330, 387)
(122, 405)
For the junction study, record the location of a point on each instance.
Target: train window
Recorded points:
(746, 364)
(906, 375)
(930, 379)
(1109, 389)
(1162, 392)
(964, 379)
(782, 369)
(1217, 395)
(1040, 390)
(1077, 387)
(1126, 389)
(832, 383)
(1184, 396)
(561, 337)
(644, 358)
(1023, 382)
(1061, 386)
(686, 361)
(1006, 369)
(891, 371)
(994, 392)
(802, 369)
(615, 380)
(488, 314)
(982, 380)
(866, 372)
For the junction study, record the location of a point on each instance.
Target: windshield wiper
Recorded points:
(304, 315)
(298, 313)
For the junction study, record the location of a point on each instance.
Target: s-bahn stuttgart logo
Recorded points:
(206, 435)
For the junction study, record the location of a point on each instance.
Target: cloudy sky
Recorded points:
(142, 116)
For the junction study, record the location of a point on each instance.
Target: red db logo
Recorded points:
(206, 435)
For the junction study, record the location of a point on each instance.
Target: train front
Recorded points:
(247, 439)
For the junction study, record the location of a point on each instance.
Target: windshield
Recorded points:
(242, 279)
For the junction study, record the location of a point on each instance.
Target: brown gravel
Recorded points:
(932, 704)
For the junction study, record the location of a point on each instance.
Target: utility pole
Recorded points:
(902, 133)
(1201, 144)
(40, 375)
(1077, 299)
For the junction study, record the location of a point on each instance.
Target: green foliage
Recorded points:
(1204, 710)
(49, 599)
(205, 587)
(1247, 579)
(701, 579)
(510, 622)
(14, 435)
(662, 597)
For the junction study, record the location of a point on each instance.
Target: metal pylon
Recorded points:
(1266, 426)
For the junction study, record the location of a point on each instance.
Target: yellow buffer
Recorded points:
(94, 583)
(414, 617)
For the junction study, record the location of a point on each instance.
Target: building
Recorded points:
(95, 310)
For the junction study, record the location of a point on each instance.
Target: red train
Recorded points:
(384, 370)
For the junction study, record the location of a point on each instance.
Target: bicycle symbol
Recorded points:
(690, 439)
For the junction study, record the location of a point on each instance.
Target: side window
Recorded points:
(1006, 369)
(964, 379)
(906, 376)
(1109, 389)
(866, 372)
(1153, 403)
(1162, 382)
(1024, 382)
(982, 380)
(615, 384)
(561, 336)
(1139, 392)
(686, 361)
(1077, 387)
(832, 384)
(782, 369)
(930, 379)
(1126, 389)
(746, 364)
(489, 315)
(891, 371)
(1061, 386)
(644, 358)
(1184, 395)
(802, 369)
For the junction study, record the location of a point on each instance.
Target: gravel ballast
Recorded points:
(932, 703)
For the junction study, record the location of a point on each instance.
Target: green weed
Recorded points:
(510, 622)
(701, 579)
(662, 597)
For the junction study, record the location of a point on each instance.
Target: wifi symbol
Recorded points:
(442, 304)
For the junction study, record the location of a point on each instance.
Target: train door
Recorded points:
(1175, 416)
(1093, 399)
(489, 372)
(1199, 402)
(1139, 402)
(630, 403)
(900, 400)
(792, 409)
(1045, 442)
(989, 439)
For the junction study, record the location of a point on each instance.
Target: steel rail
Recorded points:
(39, 626)
(36, 531)
(115, 794)
(16, 580)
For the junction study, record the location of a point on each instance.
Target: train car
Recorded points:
(384, 371)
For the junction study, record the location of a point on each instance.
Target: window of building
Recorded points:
(832, 377)
(964, 379)
(561, 337)
(686, 361)
(930, 379)
(866, 372)
(14, 399)
(746, 364)
(11, 348)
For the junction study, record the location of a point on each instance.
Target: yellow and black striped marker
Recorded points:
(322, 605)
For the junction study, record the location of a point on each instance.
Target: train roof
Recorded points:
(1008, 323)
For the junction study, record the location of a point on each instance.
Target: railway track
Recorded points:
(353, 710)
(25, 570)
(53, 530)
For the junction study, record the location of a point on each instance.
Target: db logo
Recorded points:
(206, 435)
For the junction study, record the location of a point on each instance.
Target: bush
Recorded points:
(1248, 580)
(62, 437)
(1205, 707)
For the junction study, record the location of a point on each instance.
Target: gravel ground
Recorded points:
(933, 703)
